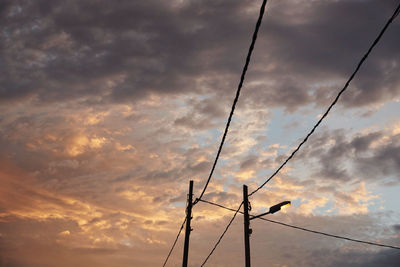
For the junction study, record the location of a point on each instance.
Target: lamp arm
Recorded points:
(259, 215)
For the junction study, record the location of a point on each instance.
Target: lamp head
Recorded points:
(278, 207)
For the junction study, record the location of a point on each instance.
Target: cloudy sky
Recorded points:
(109, 108)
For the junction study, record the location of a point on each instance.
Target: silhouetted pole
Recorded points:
(246, 226)
(188, 229)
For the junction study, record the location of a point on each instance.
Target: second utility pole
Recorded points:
(247, 230)
(188, 229)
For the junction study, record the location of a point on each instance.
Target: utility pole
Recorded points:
(188, 229)
(247, 230)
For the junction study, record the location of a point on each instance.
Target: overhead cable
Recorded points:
(218, 205)
(223, 233)
(305, 229)
(396, 12)
(330, 235)
(173, 246)
(251, 48)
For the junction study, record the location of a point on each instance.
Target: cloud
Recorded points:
(249, 163)
(365, 156)
(381, 258)
(116, 53)
(109, 109)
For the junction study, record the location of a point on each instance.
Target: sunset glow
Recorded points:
(109, 108)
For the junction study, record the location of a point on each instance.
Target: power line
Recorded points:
(330, 235)
(173, 246)
(396, 12)
(262, 9)
(223, 233)
(305, 229)
(218, 205)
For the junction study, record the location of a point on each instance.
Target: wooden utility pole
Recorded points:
(247, 230)
(188, 229)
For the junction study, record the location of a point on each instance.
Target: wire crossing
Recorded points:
(173, 246)
(305, 229)
(219, 205)
(251, 48)
(396, 12)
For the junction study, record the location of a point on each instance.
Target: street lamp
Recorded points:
(273, 209)
(247, 230)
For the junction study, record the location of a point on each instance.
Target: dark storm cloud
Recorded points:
(396, 227)
(202, 113)
(64, 50)
(319, 45)
(384, 161)
(119, 52)
(362, 143)
(356, 157)
(249, 163)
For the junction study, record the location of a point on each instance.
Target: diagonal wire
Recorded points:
(218, 205)
(173, 246)
(330, 235)
(223, 233)
(396, 12)
(262, 9)
(305, 229)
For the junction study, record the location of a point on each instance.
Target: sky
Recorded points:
(109, 108)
